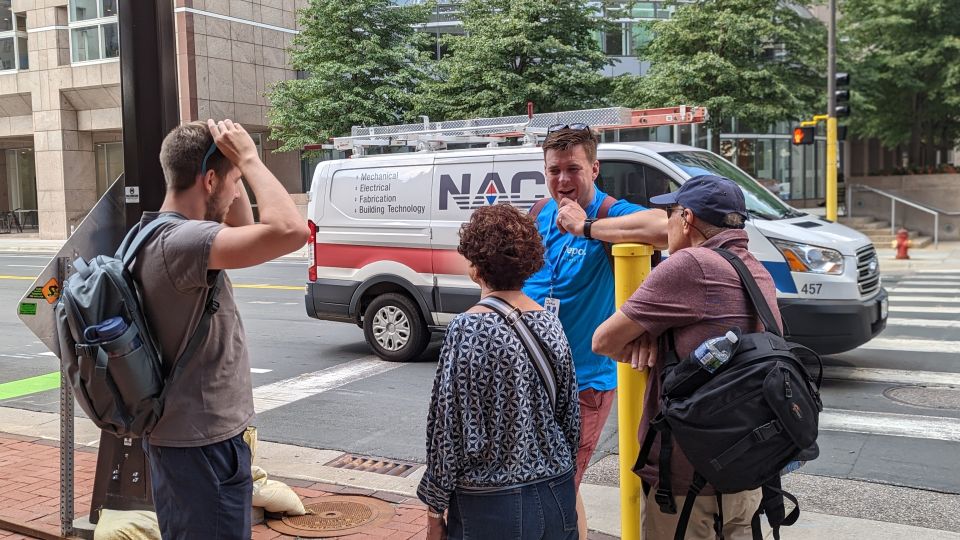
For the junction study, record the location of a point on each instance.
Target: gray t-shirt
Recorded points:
(212, 399)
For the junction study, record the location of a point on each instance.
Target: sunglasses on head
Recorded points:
(210, 152)
(574, 127)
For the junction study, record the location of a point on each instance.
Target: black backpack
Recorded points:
(741, 425)
(119, 383)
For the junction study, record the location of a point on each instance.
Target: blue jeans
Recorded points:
(202, 492)
(544, 510)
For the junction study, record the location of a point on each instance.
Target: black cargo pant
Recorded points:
(203, 492)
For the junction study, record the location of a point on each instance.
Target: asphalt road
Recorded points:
(892, 418)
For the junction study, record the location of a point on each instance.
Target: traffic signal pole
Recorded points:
(832, 164)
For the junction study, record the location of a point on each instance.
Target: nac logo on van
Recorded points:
(491, 190)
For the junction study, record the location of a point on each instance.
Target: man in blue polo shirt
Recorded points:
(576, 281)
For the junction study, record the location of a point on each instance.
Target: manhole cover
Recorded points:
(335, 516)
(930, 397)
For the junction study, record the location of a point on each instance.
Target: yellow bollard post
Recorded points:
(631, 266)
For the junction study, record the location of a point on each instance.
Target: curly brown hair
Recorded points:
(503, 245)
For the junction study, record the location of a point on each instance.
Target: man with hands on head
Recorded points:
(199, 463)
(696, 294)
(576, 281)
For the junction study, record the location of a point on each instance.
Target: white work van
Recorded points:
(384, 234)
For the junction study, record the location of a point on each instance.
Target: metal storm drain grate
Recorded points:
(931, 397)
(334, 516)
(374, 465)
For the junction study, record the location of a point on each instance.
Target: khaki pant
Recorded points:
(738, 511)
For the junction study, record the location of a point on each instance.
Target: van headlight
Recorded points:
(807, 258)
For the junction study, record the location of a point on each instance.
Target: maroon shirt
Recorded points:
(698, 294)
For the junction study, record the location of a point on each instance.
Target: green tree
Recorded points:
(362, 59)
(904, 61)
(515, 51)
(757, 60)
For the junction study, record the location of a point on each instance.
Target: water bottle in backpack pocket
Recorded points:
(127, 361)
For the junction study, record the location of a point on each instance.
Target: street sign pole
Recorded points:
(832, 114)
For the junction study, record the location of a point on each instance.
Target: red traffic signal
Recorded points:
(803, 135)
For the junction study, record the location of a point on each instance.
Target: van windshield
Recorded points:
(760, 201)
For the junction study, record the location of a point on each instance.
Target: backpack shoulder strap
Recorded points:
(138, 236)
(604, 209)
(753, 290)
(513, 316)
(203, 327)
(536, 209)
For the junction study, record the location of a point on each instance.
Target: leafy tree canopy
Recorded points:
(760, 61)
(515, 51)
(362, 60)
(904, 60)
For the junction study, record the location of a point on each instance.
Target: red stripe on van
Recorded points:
(420, 260)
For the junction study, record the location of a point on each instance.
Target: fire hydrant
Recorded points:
(902, 243)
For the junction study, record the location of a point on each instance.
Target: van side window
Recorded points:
(632, 181)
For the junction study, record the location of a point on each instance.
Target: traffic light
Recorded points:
(803, 135)
(842, 94)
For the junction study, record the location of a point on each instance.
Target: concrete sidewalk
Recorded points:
(29, 488)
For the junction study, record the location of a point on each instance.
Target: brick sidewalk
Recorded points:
(30, 492)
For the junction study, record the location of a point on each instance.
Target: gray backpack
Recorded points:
(107, 352)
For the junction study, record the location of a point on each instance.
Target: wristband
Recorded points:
(586, 228)
(434, 515)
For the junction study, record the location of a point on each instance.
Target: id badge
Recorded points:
(552, 305)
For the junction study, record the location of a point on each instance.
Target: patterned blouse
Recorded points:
(490, 423)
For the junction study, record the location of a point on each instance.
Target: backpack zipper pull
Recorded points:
(787, 391)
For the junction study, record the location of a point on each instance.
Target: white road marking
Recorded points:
(895, 298)
(891, 424)
(260, 302)
(935, 290)
(27, 265)
(48, 353)
(912, 345)
(259, 370)
(926, 282)
(900, 376)
(924, 323)
(924, 309)
(280, 393)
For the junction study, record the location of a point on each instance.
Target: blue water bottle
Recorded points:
(109, 330)
(715, 352)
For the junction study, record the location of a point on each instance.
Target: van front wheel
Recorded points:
(394, 328)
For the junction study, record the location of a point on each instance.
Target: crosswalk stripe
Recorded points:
(891, 424)
(924, 309)
(913, 345)
(899, 376)
(915, 290)
(923, 323)
(896, 298)
(273, 395)
(925, 282)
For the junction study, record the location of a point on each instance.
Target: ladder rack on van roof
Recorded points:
(428, 136)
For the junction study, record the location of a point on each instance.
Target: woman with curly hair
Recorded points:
(504, 422)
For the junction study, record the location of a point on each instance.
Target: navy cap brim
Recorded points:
(666, 199)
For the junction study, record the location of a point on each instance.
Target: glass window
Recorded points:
(109, 165)
(796, 172)
(760, 202)
(644, 10)
(6, 16)
(8, 55)
(633, 181)
(85, 43)
(109, 8)
(21, 179)
(640, 35)
(111, 41)
(23, 57)
(83, 10)
(809, 172)
(613, 40)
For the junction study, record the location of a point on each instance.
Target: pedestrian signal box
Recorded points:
(803, 135)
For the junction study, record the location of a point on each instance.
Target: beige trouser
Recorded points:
(738, 511)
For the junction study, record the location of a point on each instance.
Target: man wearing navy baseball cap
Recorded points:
(696, 293)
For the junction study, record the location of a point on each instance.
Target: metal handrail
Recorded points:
(894, 199)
